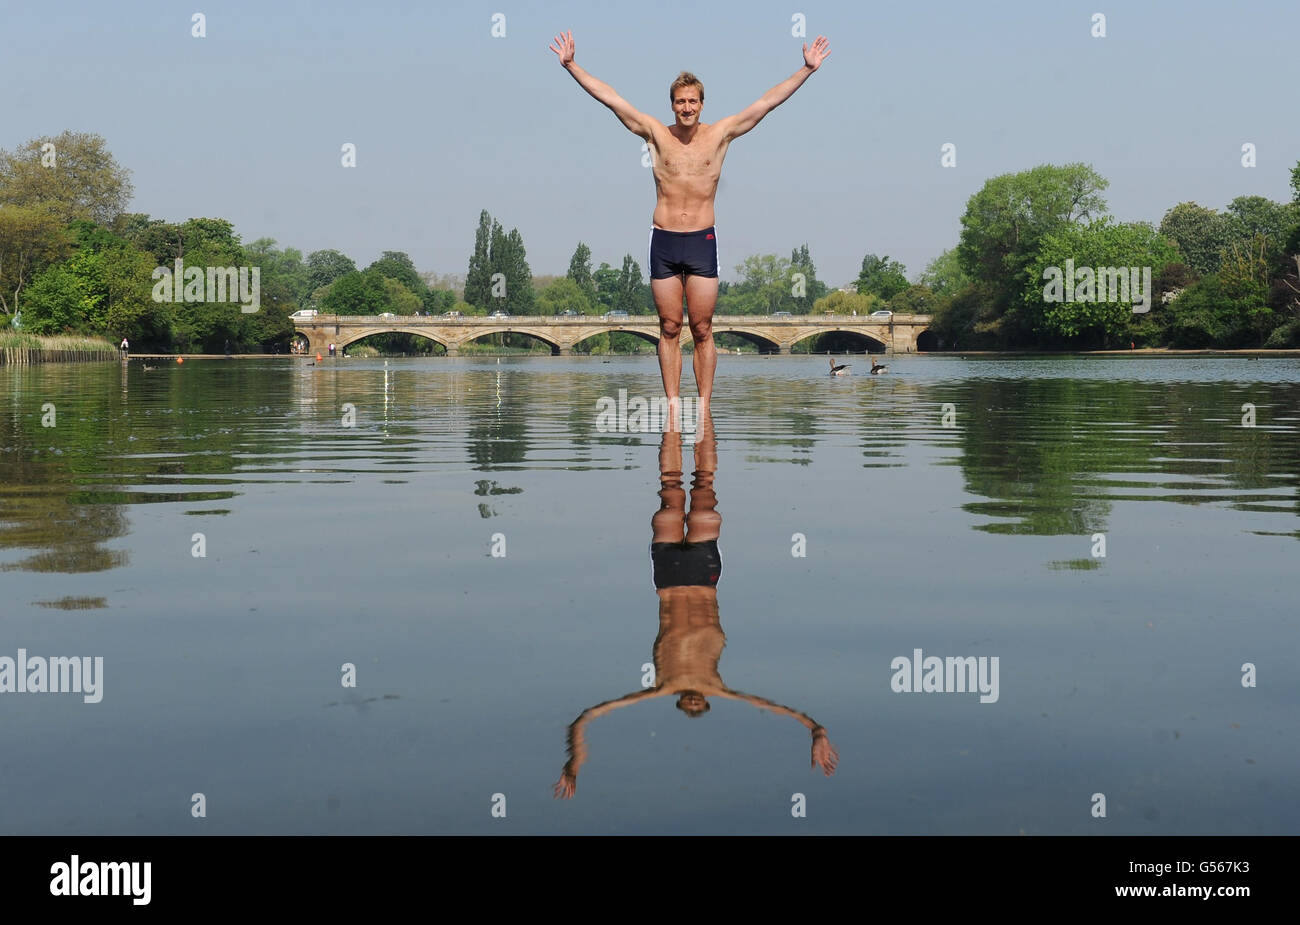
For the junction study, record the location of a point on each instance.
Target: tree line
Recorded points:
(73, 260)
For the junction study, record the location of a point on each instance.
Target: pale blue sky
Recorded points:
(247, 123)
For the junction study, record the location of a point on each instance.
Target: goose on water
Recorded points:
(878, 368)
(841, 370)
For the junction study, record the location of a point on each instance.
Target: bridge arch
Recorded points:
(346, 340)
(764, 343)
(533, 332)
(872, 343)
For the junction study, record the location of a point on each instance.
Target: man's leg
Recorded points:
(701, 299)
(668, 303)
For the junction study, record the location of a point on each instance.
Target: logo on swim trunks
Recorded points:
(708, 237)
(639, 415)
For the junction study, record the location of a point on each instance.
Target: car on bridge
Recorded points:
(499, 314)
(567, 313)
(305, 313)
(387, 315)
(883, 315)
(452, 315)
(617, 313)
(782, 314)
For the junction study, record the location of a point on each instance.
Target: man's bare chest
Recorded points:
(701, 158)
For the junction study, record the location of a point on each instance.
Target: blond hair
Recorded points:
(685, 79)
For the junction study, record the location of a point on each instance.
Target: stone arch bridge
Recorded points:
(899, 334)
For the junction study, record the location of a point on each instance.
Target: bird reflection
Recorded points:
(687, 566)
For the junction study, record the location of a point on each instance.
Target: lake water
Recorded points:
(471, 539)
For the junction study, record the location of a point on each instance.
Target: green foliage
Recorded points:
(970, 318)
(30, 240)
(1201, 316)
(915, 300)
(510, 260)
(765, 287)
(397, 265)
(564, 295)
(400, 300)
(1005, 221)
(57, 301)
(356, 293)
(478, 282)
(324, 267)
(1200, 234)
(1097, 245)
(813, 288)
(881, 276)
(438, 301)
(286, 278)
(944, 274)
(607, 282)
(846, 303)
(628, 296)
(82, 182)
(580, 271)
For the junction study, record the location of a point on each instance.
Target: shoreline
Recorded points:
(1140, 351)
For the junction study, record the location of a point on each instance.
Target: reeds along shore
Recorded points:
(17, 348)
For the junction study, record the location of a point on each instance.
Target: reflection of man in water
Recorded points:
(687, 565)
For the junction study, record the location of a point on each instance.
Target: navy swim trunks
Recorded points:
(684, 564)
(673, 253)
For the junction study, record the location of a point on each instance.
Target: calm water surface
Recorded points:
(852, 527)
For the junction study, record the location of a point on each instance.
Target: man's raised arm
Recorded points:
(751, 115)
(637, 122)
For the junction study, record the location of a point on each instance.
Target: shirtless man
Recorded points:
(687, 159)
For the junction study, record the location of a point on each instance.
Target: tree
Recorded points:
(1094, 309)
(478, 281)
(765, 287)
(1004, 222)
(160, 239)
(398, 266)
(285, 267)
(944, 275)
(1205, 314)
(846, 303)
(119, 275)
(30, 239)
(1252, 216)
(628, 298)
(399, 299)
(606, 280)
(915, 300)
(356, 293)
(881, 276)
(510, 260)
(580, 271)
(1200, 233)
(564, 295)
(438, 301)
(813, 288)
(71, 176)
(324, 267)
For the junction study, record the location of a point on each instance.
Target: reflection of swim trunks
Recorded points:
(675, 252)
(677, 565)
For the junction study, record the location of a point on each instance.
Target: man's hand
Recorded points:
(813, 57)
(824, 754)
(566, 785)
(564, 48)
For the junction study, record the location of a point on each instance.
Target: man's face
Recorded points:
(692, 702)
(687, 105)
